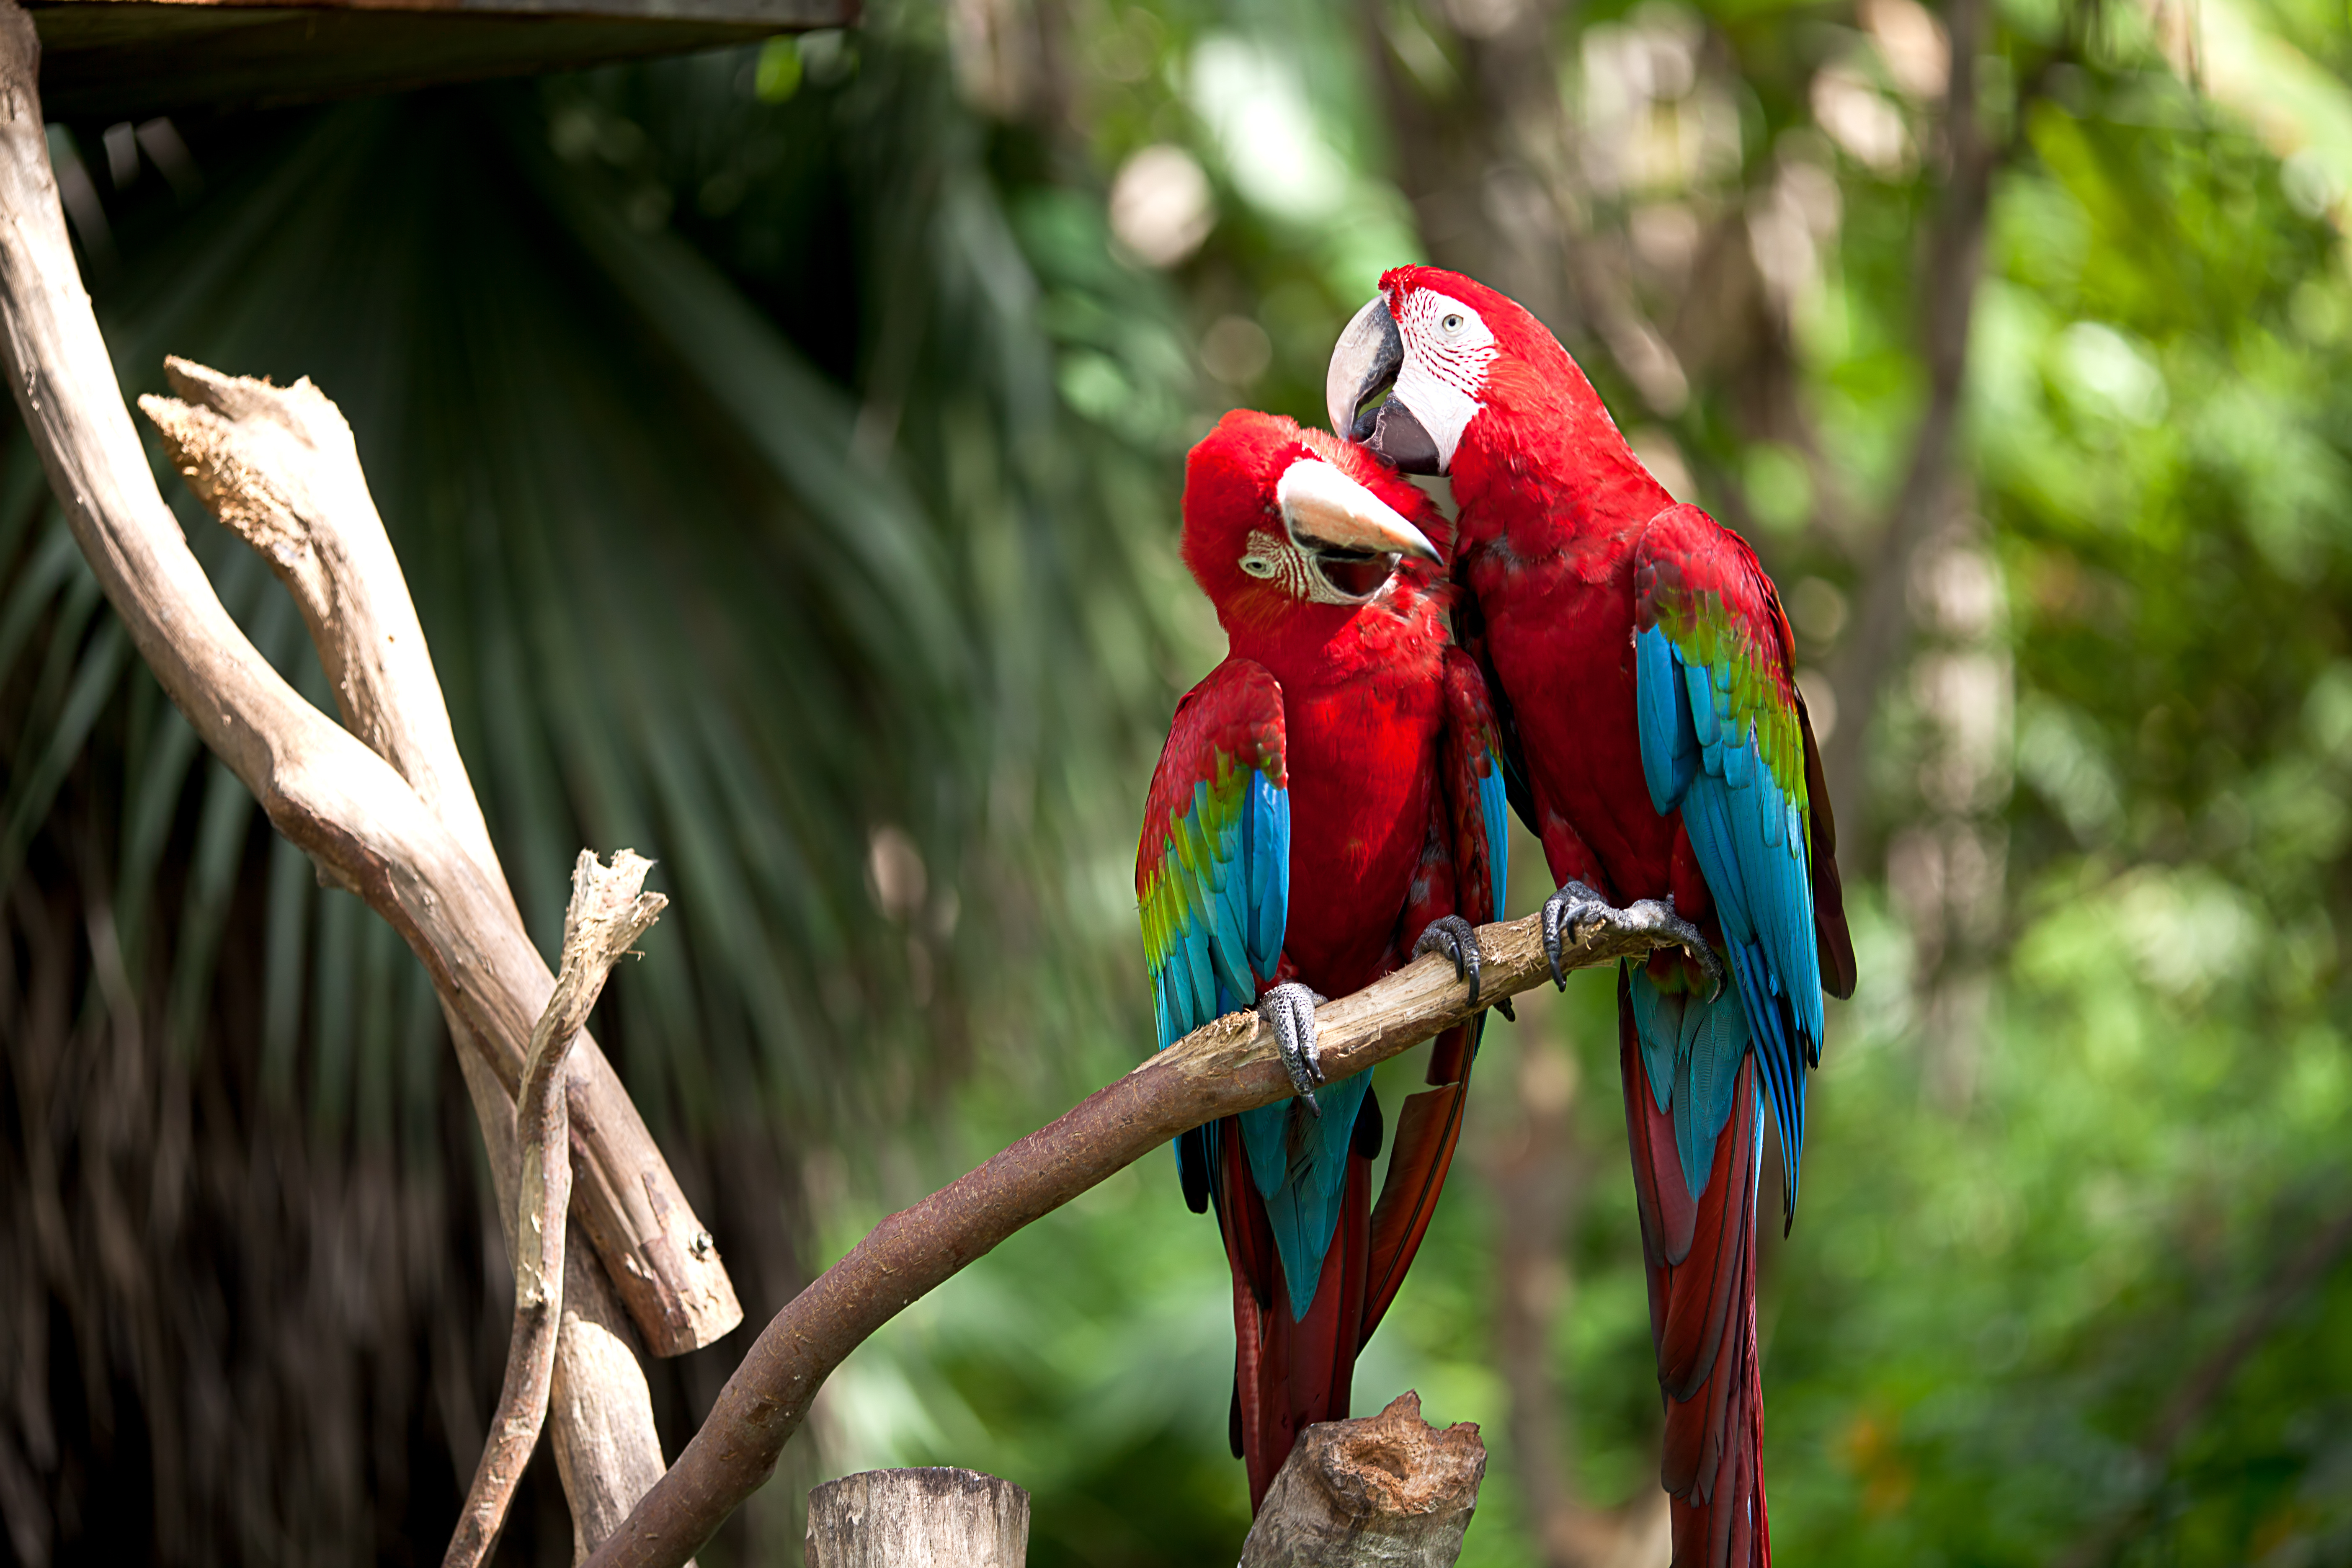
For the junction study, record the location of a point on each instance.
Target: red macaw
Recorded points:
(1330, 800)
(1643, 670)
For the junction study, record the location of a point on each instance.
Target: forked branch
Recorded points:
(388, 814)
(277, 467)
(1221, 1069)
(608, 914)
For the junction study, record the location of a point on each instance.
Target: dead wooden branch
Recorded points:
(401, 827)
(363, 823)
(608, 914)
(601, 1412)
(1220, 1069)
(939, 1518)
(1387, 1489)
(277, 467)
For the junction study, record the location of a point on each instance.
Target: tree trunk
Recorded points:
(1387, 1489)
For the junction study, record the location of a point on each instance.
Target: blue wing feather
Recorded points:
(1494, 806)
(1213, 876)
(1747, 837)
(1215, 891)
(1669, 745)
(1270, 870)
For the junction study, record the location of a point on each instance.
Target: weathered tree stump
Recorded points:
(1387, 1489)
(918, 1519)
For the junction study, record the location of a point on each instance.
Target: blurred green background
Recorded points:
(783, 445)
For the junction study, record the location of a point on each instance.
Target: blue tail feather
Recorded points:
(1691, 1047)
(1303, 1187)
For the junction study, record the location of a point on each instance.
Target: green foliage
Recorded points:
(2054, 1165)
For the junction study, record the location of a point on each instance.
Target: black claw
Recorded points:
(1503, 1005)
(1452, 935)
(1711, 965)
(1657, 915)
(1563, 912)
(1290, 1011)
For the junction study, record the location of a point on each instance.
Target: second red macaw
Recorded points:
(1644, 672)
(1330, 801)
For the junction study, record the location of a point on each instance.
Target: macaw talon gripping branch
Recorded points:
(1288, 1010)
(1569, 913)
(1452, 935)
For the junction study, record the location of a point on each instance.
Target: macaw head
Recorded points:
(1438, 369)
(1277, 518)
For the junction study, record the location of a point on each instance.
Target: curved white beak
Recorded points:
(1322, 506)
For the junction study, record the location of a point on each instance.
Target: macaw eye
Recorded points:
(1451, 323)
(1257, 567)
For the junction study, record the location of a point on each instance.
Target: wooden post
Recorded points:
(1387, 1489)
(918, 1519)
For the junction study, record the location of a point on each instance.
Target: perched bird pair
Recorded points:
(1624, 669)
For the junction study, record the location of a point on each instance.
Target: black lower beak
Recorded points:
(1358, 391)
(1401, 437)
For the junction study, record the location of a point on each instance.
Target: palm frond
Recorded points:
(691, 587)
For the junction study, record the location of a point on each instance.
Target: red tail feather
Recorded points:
(1702, 1275)
(1290, 1374)
(1428, 1128)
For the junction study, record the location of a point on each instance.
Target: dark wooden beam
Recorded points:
(126, 60)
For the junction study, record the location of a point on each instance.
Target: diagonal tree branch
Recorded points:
(608, 914)
(277, 467)
(1219, 1069)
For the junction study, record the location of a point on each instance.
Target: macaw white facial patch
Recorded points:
(1447, 349)
(1296, 571)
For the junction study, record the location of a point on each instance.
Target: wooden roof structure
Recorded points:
(113, 60)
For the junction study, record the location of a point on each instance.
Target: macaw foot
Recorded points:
(1290, 1011)
(1452, 935)
(1569, 912)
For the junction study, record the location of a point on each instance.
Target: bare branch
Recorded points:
(405, 835)
(601, 1410)
(365, 825)
(277, 467)
(1222, 1068)
(606, 916)
(1387, 1489)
